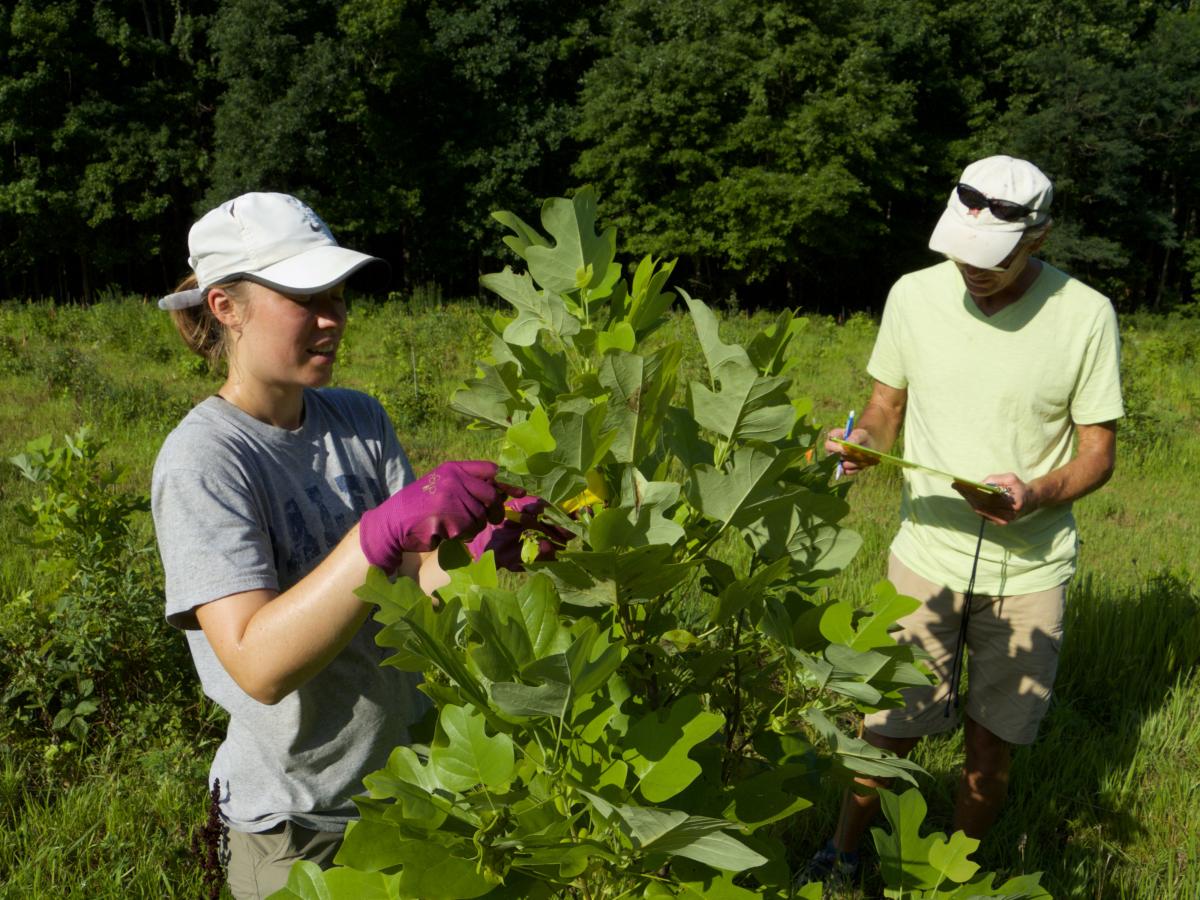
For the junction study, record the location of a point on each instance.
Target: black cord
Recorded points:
(961, 647)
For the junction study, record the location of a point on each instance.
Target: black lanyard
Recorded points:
(961, 647)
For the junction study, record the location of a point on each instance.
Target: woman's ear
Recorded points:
(224, 308)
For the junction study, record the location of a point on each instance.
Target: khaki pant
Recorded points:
(1012, 659)
(258, 864)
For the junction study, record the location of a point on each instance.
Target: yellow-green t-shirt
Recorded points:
(988, 395)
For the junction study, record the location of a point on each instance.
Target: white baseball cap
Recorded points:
(273, 239)
(1009, 197)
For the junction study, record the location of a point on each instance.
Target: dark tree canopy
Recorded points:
(789, 153)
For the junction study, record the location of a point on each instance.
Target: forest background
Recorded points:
(790, 153)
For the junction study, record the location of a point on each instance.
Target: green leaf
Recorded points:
(537, 311)
(745, 490)
(857, 756)
(745, 407)
(493, 396)
(464, 755)
(701, 882)
(640, 518)
(552, 698)
(305, 881)
(370, 845)
(412, 786)
(835, 622)
(802, 529)
(441, 868)
(647, 300)
(525, 439)
(903, 853)
(884, 611)
(571, 860)
(670, 831)
(469, 580)
(580, 435)
(434, 634)
(738, 595)
(538, 603)
(500, 645)
(525, 236)
(619, 337)
(642, 573)
(543, 369)
(950, 858)
(580, 258)
(716, 352)
(659, 743)
(768, 349)
(584, 666)
(909, 860)
(640, 390)
(765, 798)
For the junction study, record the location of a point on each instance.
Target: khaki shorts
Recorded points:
(257, 865)
(1012, 658)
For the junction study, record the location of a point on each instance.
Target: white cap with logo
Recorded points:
(1009, 197)
(273, 239)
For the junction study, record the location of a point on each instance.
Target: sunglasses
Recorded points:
(1005, 210)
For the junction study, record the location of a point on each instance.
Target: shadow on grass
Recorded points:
(1068, 812)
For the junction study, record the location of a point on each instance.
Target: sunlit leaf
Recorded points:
(659, 743)
(464, 754)
(577, 247)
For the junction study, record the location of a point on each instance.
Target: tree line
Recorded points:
(789, 153)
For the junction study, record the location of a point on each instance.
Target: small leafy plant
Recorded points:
(89, 644)
(639, 716)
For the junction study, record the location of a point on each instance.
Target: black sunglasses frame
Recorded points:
(1005, 210)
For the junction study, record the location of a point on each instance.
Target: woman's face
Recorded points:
(287, 340)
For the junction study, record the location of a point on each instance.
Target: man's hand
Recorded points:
(877, 428)
(1016, 501)
(852, 462)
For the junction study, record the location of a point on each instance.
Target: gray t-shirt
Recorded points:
(241, 505)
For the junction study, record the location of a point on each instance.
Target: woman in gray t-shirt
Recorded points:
(271, 499)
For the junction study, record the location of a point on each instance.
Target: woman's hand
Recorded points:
(504, 539)
(454, 501)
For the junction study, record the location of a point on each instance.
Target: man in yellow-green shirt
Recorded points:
(1003, 370)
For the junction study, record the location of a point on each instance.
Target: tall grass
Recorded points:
(1107, 803)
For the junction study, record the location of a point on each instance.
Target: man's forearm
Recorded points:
(882, 423)
(1092, 466)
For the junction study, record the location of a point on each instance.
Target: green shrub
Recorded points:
(88, 644)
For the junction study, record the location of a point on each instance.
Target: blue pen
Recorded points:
(845, 437)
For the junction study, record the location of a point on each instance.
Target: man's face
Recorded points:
(989, 282)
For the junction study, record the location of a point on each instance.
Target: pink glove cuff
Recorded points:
(375, 544)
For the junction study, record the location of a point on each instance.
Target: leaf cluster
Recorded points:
(635, 715)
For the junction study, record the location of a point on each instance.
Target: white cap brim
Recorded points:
(182, 299)
(310, 272)
(974, 246)
(313, 270)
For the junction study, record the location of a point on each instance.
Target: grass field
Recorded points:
(1106, 804)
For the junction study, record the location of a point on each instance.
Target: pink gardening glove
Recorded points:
(504, 538)
(455, 500)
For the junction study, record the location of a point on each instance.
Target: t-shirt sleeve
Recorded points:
(887, 359)
(1097, 394)
(211, 540)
